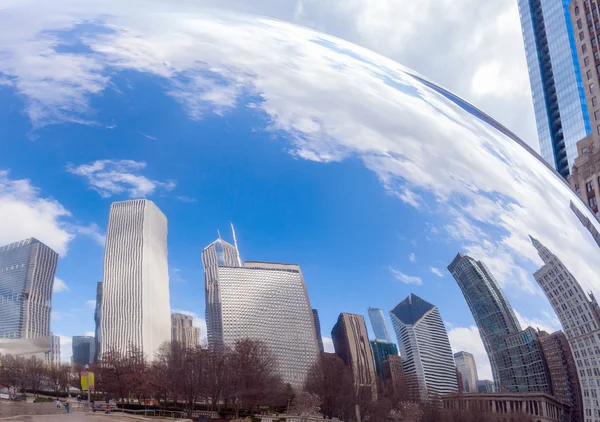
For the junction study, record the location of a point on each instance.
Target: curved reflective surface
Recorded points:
(321, 153)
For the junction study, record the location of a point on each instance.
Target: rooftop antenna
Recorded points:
(219, 233)
(235, 244)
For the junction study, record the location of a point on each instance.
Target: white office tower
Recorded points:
(465, 363)
(136, 308)
(579, 322)
(424, 347)
(260, 301)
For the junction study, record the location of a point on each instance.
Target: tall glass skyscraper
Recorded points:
(424, 347)
(27, 270)
(379, 324)
(558, 93)
(516, 358)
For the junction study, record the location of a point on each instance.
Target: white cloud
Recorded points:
(549, 322)
(25, 213)
(197, 321)
(328, 345)
(186, 199)
(93, 231)
(468, 339)
(113, 177)
(412, 257)
(91, 303)
(59, 286)
(407, 279)
(436, 271)
(153, 138)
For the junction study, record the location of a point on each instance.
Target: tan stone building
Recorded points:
(584, 178)
(183, 331)
(537, 407)
(351, 343)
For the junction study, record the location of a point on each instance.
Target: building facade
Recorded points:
(27, 270)
(557, 88)
(97, 318)
(587, 223)
(379, 325)
(84, 350)
(485, 386)
(135, 307)
(465, 364)
(183, 330)
(217, 254)
(393, 375)
(584, 178)
(515, 355)
(538, 407)
(317, 322)
(381, 351)
(580, 325)
(424, 347)
(563, 372)
(269, 302)
(53, 356)
(351, 343)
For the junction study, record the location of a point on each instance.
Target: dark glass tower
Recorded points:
(318, 329)
(381, 351)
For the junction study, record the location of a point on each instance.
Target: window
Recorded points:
(588, 17)
(595, 12)
(595, 101)
(581, 36)
(589, 74)
(592, 87)
(589, 187)
(597, 25)
(586, 61)
(597, 114)
(584, 48)
(594, 42)
(579, 24)
(592, 202)
(577, 10)
(596, 55)
(598, 129)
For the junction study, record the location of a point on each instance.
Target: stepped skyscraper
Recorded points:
(135, 306)
(557, 88)
(424, 347)
(516, 357)
(27, 270)
(579, 321)
(260, 301)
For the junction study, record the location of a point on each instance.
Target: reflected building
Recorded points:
(261, 301)
(351, 343)
(317, 322)
(563, 372)
(557, 88)
(83, 350)
(183, 330)
(424, 347)
(135, 307)
(379, 325)
(579, 321)
(465, 364)
(515, 356)
(27, 270)
(586, 222)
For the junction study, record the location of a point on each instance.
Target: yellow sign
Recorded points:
(87, 381)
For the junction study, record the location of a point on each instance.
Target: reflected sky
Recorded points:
(322, 153)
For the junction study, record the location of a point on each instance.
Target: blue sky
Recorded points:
(320, 152)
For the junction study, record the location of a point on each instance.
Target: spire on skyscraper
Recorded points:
(235, 244)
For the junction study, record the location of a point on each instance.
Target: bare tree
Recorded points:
(122, 374)
(307, 405)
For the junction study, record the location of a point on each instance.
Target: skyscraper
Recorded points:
(515, 355)
(379, 325)
(563, 372)
(97, 318)
(465, 363)
(260, 301)
(135, 309)
(424, 347)
(217, 254)
(318, 330)
(351, 343)
(53, 357)
(83, 350)
(27, 270)
(579, 321)
(381, 351)
(183, 330)
(559, 101)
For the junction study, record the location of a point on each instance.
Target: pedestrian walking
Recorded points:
(67, 407)
(57, 403)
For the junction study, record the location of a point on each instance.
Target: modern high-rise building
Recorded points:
(97, 319)
(381, 351)
(183, 330)
(424, 347)
(27, 270)
(379, 325)
(135, 307)
(579, 321)
(351, 343)
(53, 357)
(563, 371)
(485, 386)
(260, 301)
(217, 254)
(465, 364)
(318, 330)
(84, 348)
(559, 102)
(515, 355)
